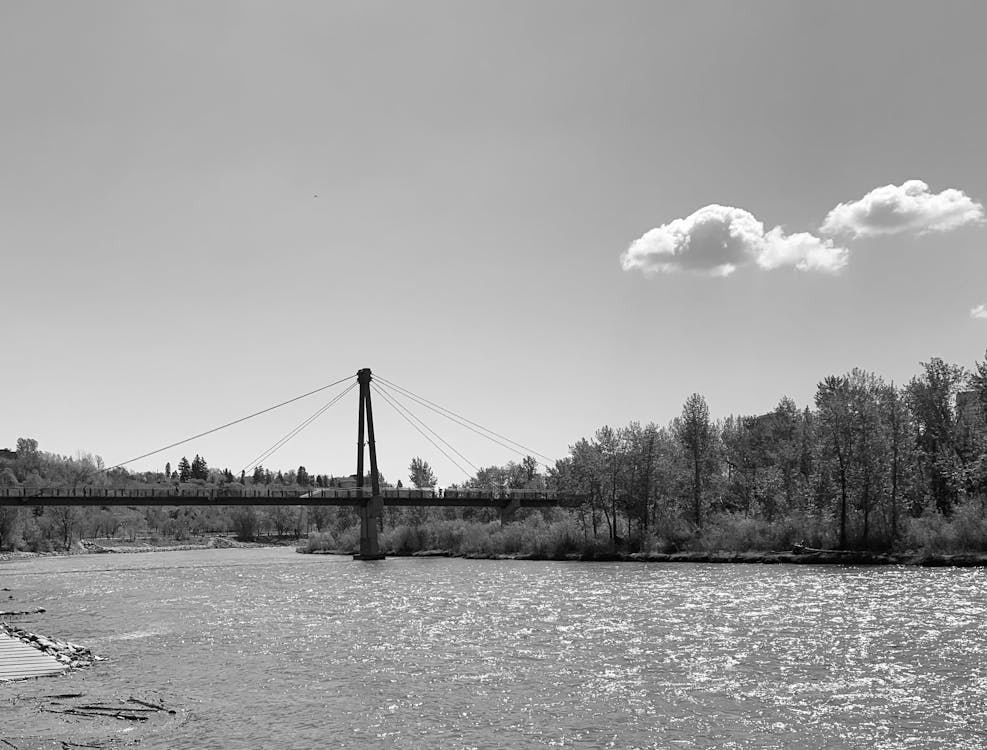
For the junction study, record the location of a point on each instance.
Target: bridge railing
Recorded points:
(218, 494)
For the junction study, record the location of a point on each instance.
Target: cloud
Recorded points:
(980, 311)
(717, 240)
(908, 207)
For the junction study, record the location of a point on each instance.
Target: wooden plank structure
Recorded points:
(19, 661)
(370, 502)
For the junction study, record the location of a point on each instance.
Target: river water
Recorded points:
(265, 648)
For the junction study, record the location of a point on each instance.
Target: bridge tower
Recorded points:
(372, 507)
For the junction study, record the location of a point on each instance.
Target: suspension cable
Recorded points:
(228, 424)
(386, 398)
(297, 429)
(468, 423)
(414, 416)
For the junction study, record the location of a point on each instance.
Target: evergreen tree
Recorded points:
(199, 468)
(302, 477)
(184, 470)
(696, 434)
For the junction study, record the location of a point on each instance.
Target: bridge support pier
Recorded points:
(372, 508)
(508, 511)
(370, 512)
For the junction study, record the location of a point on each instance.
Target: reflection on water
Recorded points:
(267, 648)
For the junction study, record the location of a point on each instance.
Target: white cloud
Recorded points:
(980, 311)
(717, 240)
(908, 207)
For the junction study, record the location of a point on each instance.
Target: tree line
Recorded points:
(853, 470)
(868, 465)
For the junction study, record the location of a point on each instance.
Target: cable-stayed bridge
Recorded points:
(369, 501)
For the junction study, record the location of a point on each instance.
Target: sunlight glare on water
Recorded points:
(265, 648)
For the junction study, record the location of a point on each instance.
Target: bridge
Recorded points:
(369, 501)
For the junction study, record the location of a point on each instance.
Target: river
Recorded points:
(266, 648)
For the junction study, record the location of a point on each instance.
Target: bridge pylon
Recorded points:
(372, 507)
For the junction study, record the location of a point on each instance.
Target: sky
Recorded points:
(545, 216)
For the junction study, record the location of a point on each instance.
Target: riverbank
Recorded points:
(827, 557)
(88, 547)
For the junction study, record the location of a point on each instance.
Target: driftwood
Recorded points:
(801, 549)
(36, 611)
(152, 706)
(114, 714)
(124, 710)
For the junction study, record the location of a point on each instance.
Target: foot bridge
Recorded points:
(369, 501)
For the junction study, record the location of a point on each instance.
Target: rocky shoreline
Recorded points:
(86, 547)
(65, 652)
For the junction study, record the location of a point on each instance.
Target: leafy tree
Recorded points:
(421, 474)
(931, 397)
(28, 457)
(65, 520)
(978, 382)
(9, 524)
(302, 477)
(608, 443)
(245, 522)
(835, 420)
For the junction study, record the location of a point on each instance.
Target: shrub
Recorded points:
(933, 533)
(318, 541)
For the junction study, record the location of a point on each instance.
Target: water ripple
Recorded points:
(269, 648)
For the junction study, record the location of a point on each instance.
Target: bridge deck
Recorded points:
(18, 660)
(19, 496)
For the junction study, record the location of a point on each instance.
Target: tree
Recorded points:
(8, 478)
(245, 522)
(9, 523)
(199, 468)
(302, 477)
(184, 470)
(931, 398)
(696, 434)
(65, 519)
(978, 382)
(608, 443)
(28, 457)
(856, 420)
(281, 517)
(900, 437)
(167, 469)
(835, 421)
(80, 470)
(421, 474)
